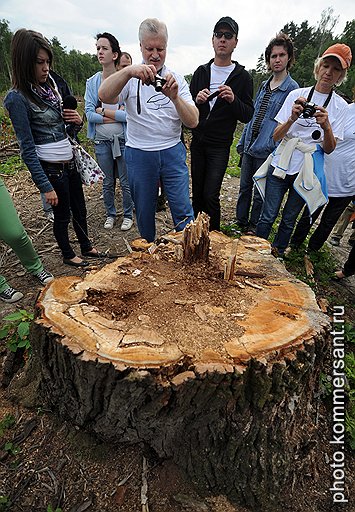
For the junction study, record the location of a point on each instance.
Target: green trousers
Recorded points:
(13, 234)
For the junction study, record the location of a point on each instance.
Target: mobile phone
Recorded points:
(213, 95)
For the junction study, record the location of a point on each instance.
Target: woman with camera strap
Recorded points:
(309, 123)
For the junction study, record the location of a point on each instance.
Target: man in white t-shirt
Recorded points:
(223, 92)
(156, 110)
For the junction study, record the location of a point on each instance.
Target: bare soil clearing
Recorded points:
(62, 466)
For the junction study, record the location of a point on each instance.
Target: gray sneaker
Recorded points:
(10, 295)
(109, 223)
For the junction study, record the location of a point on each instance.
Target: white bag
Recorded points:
(86, 165)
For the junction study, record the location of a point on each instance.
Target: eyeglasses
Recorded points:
(227, 35)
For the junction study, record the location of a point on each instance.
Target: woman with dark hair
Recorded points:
(107, 128)
(256, 142)
(34, 106)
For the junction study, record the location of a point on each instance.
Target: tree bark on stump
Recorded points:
(217, 374)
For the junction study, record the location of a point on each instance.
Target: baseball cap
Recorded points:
(341, 52)
(227, 20)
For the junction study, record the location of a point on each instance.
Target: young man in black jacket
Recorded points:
(223, 92)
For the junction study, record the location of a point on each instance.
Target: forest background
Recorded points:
(309, 41)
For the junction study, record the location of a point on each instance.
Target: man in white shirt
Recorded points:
(155, 110)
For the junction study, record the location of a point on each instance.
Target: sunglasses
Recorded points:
(227, 35)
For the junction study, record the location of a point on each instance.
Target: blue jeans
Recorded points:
(145, 169)
(208, 167)
(275, 191)
(114, 168)
(248, 168)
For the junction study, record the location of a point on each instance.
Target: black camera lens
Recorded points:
(159, 83)
(309, 109)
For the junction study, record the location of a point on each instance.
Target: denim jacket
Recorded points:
(34, 125)
(264, 144)
(91, 102)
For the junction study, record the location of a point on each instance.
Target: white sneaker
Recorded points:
(126, 224)
(50, 216)
(10, 295)
(109, 223)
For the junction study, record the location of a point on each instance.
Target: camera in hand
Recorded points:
(158, 83)
(309, 109)
(213, 95)
(70, 102)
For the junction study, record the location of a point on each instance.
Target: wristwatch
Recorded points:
(102, 112)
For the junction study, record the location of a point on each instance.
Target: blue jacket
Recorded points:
(264, 144)
(34, 125)
(92, 102)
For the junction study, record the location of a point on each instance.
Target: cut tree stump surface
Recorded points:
(151, 311)
(218, 373)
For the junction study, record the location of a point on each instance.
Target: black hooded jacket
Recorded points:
(217, 126)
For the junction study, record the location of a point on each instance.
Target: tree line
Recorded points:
(310, 42)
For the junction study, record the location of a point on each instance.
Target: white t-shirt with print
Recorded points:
(303, 128)
(339, 166)
(158, 126)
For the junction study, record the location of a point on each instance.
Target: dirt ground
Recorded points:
(59, 466)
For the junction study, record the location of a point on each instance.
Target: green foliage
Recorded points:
(51, 509)
(325, 383)
(233, 168)
(349, 332)
(309, 42)
(350, 388)
(11, 165)
(7, 422)
(12, 448)
(16, 328)
(323, 265)
(4, 503)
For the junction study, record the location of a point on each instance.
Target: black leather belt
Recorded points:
(60, 166)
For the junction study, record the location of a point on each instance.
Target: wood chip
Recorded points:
(253, 285)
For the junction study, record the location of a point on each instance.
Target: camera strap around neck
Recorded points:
(326, 103)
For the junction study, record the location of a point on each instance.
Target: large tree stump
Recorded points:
(218, 374)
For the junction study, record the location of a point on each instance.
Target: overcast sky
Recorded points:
(190, 23)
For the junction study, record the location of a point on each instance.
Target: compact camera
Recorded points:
(158, 83)
(309, 109)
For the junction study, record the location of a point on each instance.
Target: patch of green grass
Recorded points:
(233, 168)
(12, 165)
(232, 229)
(6, 423)
(4, 503)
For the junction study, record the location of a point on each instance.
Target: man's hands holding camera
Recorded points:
(147, 73)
